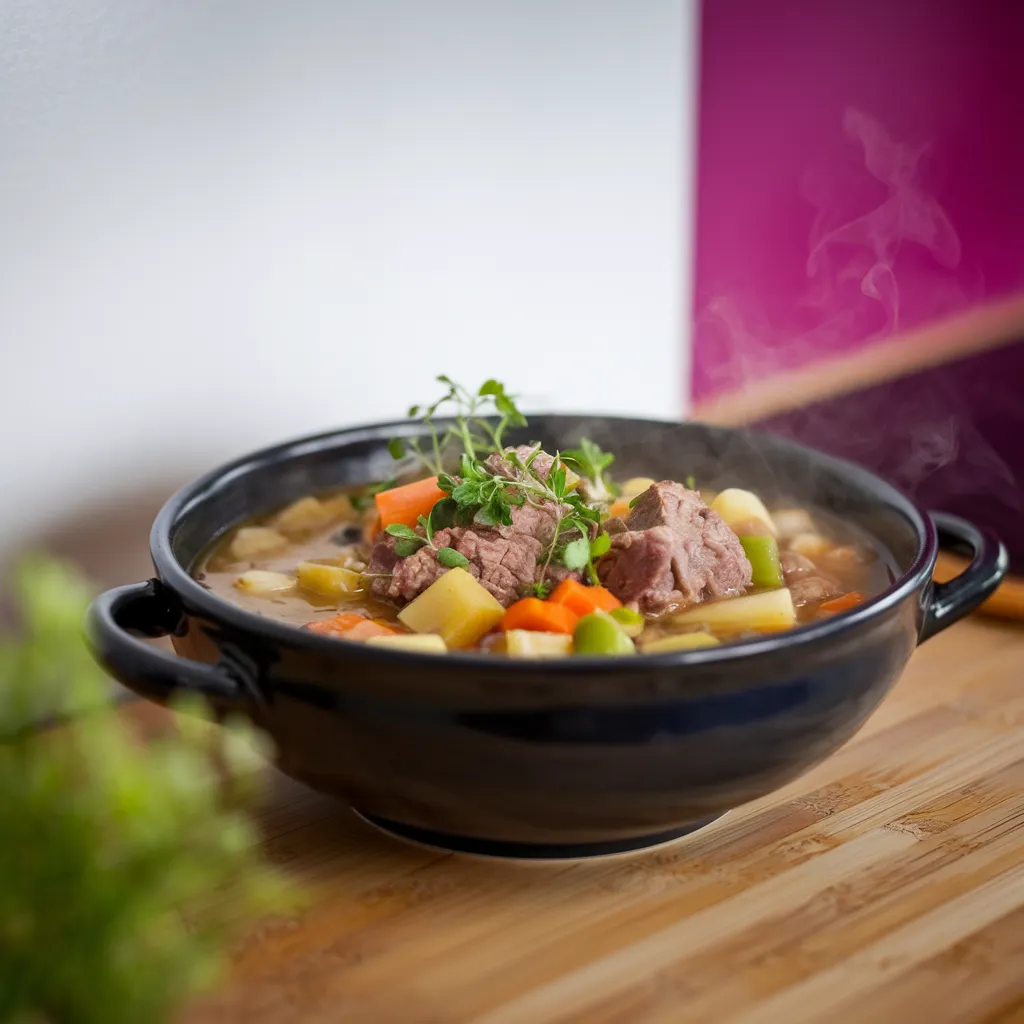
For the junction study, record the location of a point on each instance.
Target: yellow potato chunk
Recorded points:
(253, 541)
(262, 582)
(339, 507)
(527, 643)
(810, 545)
(330, 581)
(456, 607)
(791, 522)
(680, 642)
(421, 643)
(636, 485)
(772, 610)
(302, 516)
(741, 510)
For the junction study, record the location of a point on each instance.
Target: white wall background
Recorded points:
(225, 222)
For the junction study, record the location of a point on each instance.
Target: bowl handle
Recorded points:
(951, 601)
(115, 621)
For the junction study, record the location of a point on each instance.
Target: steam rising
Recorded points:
(865, 249)
(882, 255)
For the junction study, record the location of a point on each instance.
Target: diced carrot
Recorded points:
(338, 624)
(371, 627)
(583, 599)
(540, 616)
(351, 626)
(407, 503)
(841, 604)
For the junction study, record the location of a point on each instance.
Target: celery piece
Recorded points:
(763, 555)
(599, 633)
(630, 622)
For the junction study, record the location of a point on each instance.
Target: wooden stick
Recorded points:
(978, 330)
(1006, 603)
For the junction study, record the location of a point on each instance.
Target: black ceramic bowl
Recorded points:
(544, 758)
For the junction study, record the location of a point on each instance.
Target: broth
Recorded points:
(825, 557)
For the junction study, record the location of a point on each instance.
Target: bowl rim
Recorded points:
(196, 597)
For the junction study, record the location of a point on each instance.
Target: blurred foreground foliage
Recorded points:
(111, 848)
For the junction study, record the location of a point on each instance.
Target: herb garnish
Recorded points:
(487, 498)
(471, 428)
(478, 494)
(582, 552)
(591, 463)
(409, 541)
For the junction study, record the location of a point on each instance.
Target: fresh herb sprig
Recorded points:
(470, 427)
(482, 496)
(584, 551)
(408, 541)
(479, 494)
(591, 463)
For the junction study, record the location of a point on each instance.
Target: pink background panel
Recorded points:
(860, 172)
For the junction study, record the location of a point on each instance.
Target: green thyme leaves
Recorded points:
(452, 558)
(471, 425)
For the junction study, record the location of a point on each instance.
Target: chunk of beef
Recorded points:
(807, 583)
(614, 525)
(673, 551)
(505, 559)
(540, 466)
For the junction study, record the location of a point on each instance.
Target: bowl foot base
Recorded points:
(526, 851)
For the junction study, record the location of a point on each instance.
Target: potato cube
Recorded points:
(679, 642)
(743, 511)
(421, 643)
(772, 610)
(301, 517)
(253, 541)
(456, 607)
(791, 522)
(330, 581)
(262, 582)
(527, 643)
(810, 545)
(339, 507)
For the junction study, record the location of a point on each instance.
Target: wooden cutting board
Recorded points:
(886, 885)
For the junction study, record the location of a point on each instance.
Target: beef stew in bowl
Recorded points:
(683, 569)
(519, 551)
(539, 755)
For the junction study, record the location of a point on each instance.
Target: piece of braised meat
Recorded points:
(507, 560)
(540, 466)
(672, 551)
(807, 583)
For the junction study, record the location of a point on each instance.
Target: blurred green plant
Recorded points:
(110, 847)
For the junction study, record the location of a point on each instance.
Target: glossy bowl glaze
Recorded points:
(541, 758)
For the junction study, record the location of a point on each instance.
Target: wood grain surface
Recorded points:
(886, 885)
